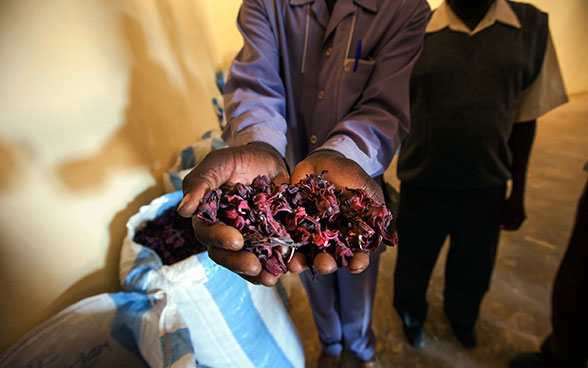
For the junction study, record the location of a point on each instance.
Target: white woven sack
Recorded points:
(231, 322)
(107, 330)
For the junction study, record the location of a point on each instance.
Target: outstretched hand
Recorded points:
(514, 213)
(227, 167)
(343, 173)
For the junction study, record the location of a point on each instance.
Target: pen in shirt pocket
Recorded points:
(357, 56)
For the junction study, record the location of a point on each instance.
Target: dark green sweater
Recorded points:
(465, 93)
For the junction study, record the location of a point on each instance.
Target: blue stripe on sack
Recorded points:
(206, 135)
(126, 327)
(175, 345)
(198, 365)
(218, 110)
(245, 323)
(217, 144)
(220, 81)
(175, 180)
(188, 158)
(137, 279)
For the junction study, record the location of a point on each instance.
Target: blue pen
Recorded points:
(357, 56)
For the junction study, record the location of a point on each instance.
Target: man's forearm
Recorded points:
(520, 143)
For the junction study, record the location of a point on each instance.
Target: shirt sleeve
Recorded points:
(254, 96)
(372, 131)
(546, 92)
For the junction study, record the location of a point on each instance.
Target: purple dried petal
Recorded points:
(292, 219)
(207, 211)
(170, 236)
(342, 254)
(231, 214)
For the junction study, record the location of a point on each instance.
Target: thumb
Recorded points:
(210, 174)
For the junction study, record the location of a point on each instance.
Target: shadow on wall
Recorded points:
(158, 120)
(9, 165)
(93, 283)
(161, 118)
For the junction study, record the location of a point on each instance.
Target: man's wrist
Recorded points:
(326, 151)
(517, 194)
(271, 149)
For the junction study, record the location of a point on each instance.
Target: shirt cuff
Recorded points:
(274, 138)
(348, 148)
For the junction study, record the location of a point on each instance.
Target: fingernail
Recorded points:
(330, 270)
(232, 244)
(357, 270)
(183, 202)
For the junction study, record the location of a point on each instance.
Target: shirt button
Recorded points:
(321, 94)
(329, 51)
(313, 139)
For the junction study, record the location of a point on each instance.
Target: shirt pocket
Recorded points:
(352, 83)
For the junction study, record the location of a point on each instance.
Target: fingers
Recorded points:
(191, 200)
(342, 172)
(231, 165)
(359, 262)
(264, 278)
(366, 183)
(217, 235)
(325, 263)
(300, 171)
(513, 216)
(298, 263)
(374, 191)
(512, 224)
(224, 244)
(241, 262)
(210, 174)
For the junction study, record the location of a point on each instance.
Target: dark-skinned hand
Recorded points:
(343, 173)
(225, 168)
(514, 213)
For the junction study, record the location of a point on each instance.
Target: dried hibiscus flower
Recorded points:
(309, 217)
(171, 236)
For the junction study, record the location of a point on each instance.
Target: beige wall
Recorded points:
(96, 99)
(567, 20)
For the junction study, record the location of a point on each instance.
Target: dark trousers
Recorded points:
(472, 220)
(569, 340)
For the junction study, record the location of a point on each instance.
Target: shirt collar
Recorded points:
(371, 5)
(499, 11)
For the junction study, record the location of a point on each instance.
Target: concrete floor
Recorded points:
(515, 314)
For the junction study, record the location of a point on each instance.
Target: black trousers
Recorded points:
(569, 340)
(426, 216)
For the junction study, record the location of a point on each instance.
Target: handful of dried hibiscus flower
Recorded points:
(170, 236)
(309, 217)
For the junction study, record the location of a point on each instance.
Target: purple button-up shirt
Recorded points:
(307, 80)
